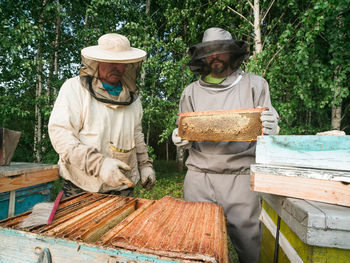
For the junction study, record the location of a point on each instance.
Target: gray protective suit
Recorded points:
(219, 171)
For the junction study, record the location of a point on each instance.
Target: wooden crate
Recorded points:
(106, 228)
(310, 231)
(22, 185)
(329, 186)
(230, 125)
(25, 199)
(318, 152)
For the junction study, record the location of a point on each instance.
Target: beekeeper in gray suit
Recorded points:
(218, 172)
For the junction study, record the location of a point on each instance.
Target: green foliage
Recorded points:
(305, 58)
(299, 63)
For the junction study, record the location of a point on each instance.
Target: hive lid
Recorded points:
(8, 144)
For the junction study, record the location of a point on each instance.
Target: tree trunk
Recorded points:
(336, 117)
(180, 159)
(149, 122)
(38, 121)
(57, 37)
(167, 151)
(336, 108)
(143, 76)
(257, 30)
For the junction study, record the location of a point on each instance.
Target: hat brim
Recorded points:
(218, 46)
(101, 55)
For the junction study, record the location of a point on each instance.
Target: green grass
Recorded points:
(169, 182)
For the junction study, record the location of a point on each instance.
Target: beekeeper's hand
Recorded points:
(148, 177)
(179, 142)
(111, 173)
(269, 122)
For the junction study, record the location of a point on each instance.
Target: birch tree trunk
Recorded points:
(336, 117)
(167, 151)
(180, 159)
(38, 93)
(143, 76)
(257, 30)
(38, 120)
(336, 108)
(57, 37)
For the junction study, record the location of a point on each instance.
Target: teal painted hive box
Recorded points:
(22, 185)
(25, 199)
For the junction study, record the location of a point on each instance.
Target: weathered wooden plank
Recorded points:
(231, 125)
(106, 238)
(312, 189)
(24, 247)
(18, 168)
(179, 229)
(315, 223)
(320, 152)
(9, 183)
(330, 175)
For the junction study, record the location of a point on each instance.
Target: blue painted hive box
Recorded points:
(22, 185)
(25, 199)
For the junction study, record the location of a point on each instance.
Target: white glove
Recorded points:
(148, 177)
(112, 175)
(179, 142)
(269, 122)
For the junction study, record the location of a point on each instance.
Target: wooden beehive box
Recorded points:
(103, 228)
(303, 166)
(309, 231)
(229, 125)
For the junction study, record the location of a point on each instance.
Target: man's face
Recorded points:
(111, 73)
(218, 63)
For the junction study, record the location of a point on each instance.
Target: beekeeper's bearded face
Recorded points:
(111, 73)
(218, 63)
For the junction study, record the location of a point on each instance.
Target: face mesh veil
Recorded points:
(237, 49)
(89, 78)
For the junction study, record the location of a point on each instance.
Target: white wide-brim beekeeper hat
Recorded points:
(113, 48)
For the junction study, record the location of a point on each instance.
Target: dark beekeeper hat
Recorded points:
(215, 41)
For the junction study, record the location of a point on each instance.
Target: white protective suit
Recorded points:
(218, 172)
(84, 131)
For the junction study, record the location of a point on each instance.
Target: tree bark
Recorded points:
(167, 151)
(180, 159)
(336, 117)
(257, 29)
(38, 121)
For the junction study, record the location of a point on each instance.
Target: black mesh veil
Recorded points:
(238, 52)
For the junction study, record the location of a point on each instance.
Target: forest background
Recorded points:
(302, 48)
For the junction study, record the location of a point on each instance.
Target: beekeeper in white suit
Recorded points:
(95, 125)
(219, 171)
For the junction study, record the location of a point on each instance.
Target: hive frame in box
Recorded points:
(71, 236)
(221, 125)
